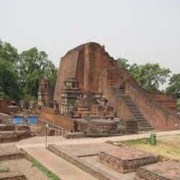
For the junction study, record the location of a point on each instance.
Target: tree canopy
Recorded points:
(20, 73)
(174, 85)
(9, 87)
(149, 76)
(33, 66)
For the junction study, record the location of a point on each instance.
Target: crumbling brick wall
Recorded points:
(4, 106)
(97, 72)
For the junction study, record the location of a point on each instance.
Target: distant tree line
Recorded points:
(150, 76)
(20, 73)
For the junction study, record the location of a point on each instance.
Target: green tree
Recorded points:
(9, 83)
(149, 76)
(20, 74)
(8, 52)
(123, 63)
(9, 87)
(174, 85)
(33, 66)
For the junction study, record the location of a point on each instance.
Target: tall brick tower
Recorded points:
(44, 93)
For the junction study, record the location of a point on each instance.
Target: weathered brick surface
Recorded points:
(49, 114)
(126, 159)
(10, 152)
(159, 116)
(97, 72)
(12, 176)
(168, 170)
(4, 106)
(10, 136)
(77, 162)
(166, 100)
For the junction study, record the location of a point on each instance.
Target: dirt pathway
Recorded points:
(40, 141)
(59, 166)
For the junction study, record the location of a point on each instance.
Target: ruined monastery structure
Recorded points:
(95, 96)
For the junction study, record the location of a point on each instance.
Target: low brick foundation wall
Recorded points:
(168, 170)
(50, 115)
(12, 176)
(4, 127)
(126, 159)
(77, 162)
(10, 152)
(11, 136)
(74, 135)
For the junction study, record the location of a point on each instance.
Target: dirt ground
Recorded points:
(167, 146)
(25, 167)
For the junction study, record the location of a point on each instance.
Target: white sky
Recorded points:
(139, 30)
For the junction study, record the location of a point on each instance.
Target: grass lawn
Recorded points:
(167, 146)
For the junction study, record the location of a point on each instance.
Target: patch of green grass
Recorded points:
(43, 169)
(3, 169)
(137, 141)
(168, 146)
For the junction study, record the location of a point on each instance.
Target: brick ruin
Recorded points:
(4, 106)
(44, 92)
(126, 159)
(93, 94)
(167, 170)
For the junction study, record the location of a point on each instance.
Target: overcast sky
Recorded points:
(139, 30)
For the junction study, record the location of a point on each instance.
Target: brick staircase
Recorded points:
(143, 124)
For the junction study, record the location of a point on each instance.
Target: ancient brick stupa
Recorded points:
(44, 92)
(94, 92)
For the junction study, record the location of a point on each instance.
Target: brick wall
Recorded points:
(159, 116)
(50, 115)
(168, 101)
(96, 72)
(4, 106)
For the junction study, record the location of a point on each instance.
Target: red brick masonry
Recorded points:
(126, 159)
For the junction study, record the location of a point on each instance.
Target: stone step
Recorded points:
(132, 106)
(146, 129)
(136, 112)
(144, 125)
(142, 122)
(140, 117)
